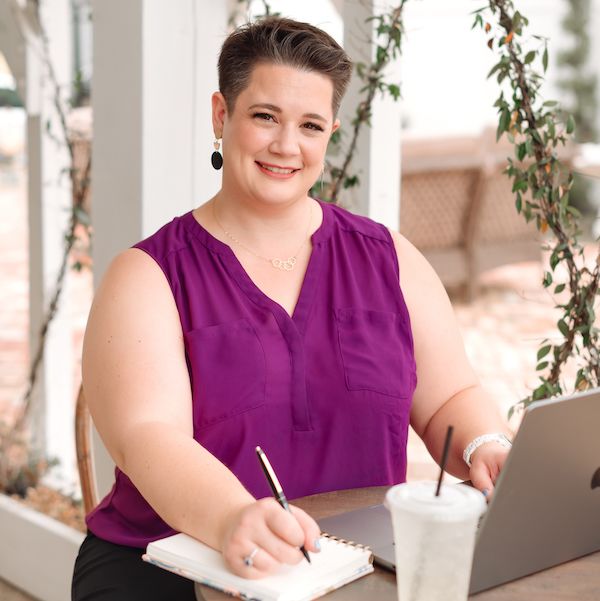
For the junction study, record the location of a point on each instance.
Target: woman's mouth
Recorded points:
(276, 171)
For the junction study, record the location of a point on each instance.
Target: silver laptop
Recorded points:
(546, 505)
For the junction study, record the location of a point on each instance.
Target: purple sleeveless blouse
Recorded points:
(326, 393)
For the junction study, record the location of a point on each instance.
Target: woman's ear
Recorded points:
(219, 113)
(335, 126)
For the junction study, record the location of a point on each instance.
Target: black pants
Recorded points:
(108, 572)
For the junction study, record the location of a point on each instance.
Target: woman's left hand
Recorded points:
(486, 463)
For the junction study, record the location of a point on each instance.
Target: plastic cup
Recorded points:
(434, 539)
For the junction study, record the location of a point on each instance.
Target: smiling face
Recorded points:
(274, 142)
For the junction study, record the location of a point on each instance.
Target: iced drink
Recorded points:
(434, 539)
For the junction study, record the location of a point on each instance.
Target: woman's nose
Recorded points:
(286, 142)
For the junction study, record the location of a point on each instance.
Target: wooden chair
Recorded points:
(85, 466)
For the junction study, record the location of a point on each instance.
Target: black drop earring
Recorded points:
(216, 158)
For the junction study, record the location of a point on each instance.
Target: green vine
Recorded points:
(389, 30)
(542, 185)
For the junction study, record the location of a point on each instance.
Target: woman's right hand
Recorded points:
(273, 532)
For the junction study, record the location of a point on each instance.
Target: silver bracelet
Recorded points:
(483, 439)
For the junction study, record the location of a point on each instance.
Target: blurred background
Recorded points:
(452, 199)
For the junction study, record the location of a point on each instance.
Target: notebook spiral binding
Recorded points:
(344, 541)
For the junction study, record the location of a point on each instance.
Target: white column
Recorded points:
(154, 72)
(377, 161)
(49, 198)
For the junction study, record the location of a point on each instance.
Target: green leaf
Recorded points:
(536, 136)
(351, 181)
(394, 91)
(545, 59)
(563, 327)
(517, 20)
(520, 185)
(543, 351)
(559, 288)
(521, 151)
(519, 202)
(503, 123)
(570, 124)
(554, 260)
(541, 365)
(547, 279)
(494, 69)
(478, 21)
(529, 57)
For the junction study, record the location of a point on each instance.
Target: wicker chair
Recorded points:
(83, 435)
(458, 207)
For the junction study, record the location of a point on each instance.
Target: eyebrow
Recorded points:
(277, 109)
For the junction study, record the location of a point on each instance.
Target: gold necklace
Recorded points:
(282, 264)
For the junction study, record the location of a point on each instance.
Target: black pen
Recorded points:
(276, 487)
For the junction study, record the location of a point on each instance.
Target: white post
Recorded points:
(154, 72)
(377, 161)
(49, 195)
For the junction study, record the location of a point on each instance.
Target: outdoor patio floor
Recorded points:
(502, 327)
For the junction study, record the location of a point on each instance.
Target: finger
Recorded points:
(279, 549)
(312, 532)
(481, 479)
(285, 525)
(262, 564)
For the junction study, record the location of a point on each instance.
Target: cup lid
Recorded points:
(455, 502)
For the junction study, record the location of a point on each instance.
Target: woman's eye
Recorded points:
(313, 126)
(263, 116)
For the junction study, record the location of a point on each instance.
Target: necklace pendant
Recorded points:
(284, 264)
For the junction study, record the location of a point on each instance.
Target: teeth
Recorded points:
(277, 169)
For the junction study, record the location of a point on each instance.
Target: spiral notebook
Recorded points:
(338, 563)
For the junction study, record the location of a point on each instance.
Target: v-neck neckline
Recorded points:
(233, 265)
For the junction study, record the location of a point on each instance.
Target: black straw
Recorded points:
(444, 459)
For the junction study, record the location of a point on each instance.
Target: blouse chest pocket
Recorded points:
(227, 366)
(377, 351)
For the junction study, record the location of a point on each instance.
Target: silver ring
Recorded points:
(249, 559)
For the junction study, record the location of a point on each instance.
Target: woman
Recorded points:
(266, 318)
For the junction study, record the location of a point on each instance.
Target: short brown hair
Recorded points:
(284, 42)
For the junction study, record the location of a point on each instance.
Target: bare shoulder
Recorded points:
(416, 274)
(133, 355)
(133, 269)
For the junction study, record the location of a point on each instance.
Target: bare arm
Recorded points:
(448, 391)
(138, 390)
